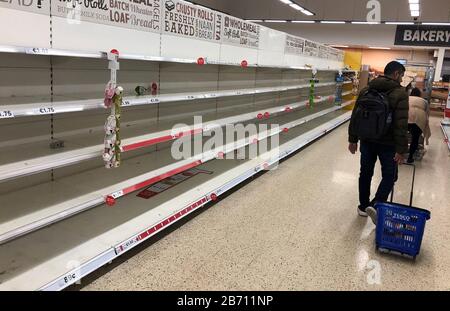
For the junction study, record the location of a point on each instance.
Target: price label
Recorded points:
(117, 194)
(154, 100)
(4, 114)
(36, 51)
(191, 97)
(126, 103)
(46, 110)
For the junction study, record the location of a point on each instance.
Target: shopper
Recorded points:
(418, 121)
(390, 146)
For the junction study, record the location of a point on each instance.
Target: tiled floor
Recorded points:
(296, 228)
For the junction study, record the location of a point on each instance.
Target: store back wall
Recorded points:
(378, 59)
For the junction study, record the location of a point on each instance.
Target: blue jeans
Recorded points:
(369, 154)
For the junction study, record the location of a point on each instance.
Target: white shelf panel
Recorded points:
(120, 183)
(15, 32)
(45, 254)
(77, 154)
(66, 106)
(174, 47)
(100, 37)
(233, 61)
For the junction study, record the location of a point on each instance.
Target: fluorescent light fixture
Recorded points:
(304, 22)
(366, 23)
(399, 23)
(306, 12)
(414, 6)
(286, 1)
(378, 48)
(275, 21)
(415, 13)
(296, 6)
(437, 24)
(332, 22)
(339, 46)
(413, 1)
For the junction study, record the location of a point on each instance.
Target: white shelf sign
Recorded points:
(239, 32)
(311, 49)
(323, 51)
(143, 15)
(185, 19)
(294, 45)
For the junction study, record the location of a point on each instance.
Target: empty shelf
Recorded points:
(59, 255)
(25, 107)
(78, 148)
(57, 200)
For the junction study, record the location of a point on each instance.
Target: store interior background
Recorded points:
(357, 37)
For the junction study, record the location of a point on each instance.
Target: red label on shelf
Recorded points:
(147, 143)
(170, 182)
(160, 177)
(142, 236)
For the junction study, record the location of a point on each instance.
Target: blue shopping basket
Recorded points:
(400, 228)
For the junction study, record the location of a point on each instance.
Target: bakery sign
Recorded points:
(423, 35)
(294, 45)
(192, 21)
(239, 32)
(144, 15)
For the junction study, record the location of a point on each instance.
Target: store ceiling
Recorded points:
(342, 10)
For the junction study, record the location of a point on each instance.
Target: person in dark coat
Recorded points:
(390, 148)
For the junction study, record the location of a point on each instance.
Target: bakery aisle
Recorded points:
(296, 228)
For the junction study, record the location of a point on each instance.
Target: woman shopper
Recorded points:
(418, 121)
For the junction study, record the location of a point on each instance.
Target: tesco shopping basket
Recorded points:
(400, 228)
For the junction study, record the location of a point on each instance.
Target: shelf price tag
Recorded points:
(117, 194)
(5, 114)
(46, 110)
(36, 51)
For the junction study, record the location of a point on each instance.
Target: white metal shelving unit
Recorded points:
(124, 228)
(122, 184)
(40, 164)
(47, 195)
(67, 106)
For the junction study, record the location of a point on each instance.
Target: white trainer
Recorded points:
(372, 213)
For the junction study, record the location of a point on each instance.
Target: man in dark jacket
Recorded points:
(389, 148)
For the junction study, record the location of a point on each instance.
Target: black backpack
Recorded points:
(373, 116)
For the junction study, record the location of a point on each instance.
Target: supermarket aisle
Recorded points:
(296, 228)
